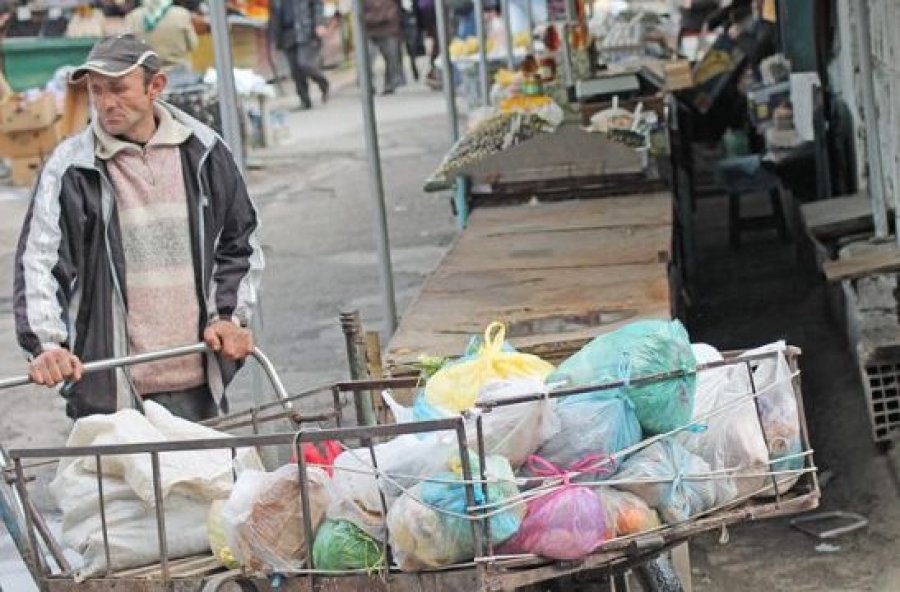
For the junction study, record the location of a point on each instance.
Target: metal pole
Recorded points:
(484, 84)
(228, 105)
(376, 183)
(507, 25)
(529, 9)
(876, 187)
(443, 42)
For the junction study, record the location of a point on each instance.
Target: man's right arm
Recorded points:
(44, 276)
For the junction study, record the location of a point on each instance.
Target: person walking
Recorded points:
(296, 28)
(140, 236)
(384, 30)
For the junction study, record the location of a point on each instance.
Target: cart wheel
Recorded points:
(227, 582)
(658, 575)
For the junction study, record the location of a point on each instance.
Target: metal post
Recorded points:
(376, 183)
(507, 25)
(443, 42)
(484, 84)
(529, 9)
(876, 186)
(228, 107)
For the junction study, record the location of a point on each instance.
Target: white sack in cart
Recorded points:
(683, 488)
(405, 459)
(191, 480)
(732, 438)
(263, 518)
(513, 431)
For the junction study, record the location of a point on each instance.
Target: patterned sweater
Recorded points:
(163, 309)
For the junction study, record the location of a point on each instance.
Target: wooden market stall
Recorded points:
(558, 274)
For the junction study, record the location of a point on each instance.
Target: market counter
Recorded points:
(558, 273)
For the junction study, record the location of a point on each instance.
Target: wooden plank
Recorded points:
(540, 305)
(840, 216)
(568, 249)
(648, 209)
(863, 264)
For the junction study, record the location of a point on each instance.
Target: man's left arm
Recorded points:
(237, 263)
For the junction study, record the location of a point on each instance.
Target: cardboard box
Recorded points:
(19, 115)
(39, 142)
(25, 170)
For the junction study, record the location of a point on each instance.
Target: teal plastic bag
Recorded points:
(342, 545)
(640, 349)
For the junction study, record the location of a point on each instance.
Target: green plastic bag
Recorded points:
(343, 545)
(637, 350)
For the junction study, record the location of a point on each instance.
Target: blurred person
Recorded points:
(384, 30)
(168, 28)
(140, 236)
(296, 28)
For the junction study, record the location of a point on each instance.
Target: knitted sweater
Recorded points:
(163, 309)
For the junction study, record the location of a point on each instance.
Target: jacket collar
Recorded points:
(169, 132)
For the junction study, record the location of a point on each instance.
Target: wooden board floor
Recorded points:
(554, 272)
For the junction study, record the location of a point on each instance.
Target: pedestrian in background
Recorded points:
(384, 30)
(295, 27)
(168, 29)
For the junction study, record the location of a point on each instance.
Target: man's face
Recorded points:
(124, 104)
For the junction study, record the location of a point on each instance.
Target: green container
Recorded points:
(29, 62)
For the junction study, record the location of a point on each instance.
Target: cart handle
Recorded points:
(183, 350)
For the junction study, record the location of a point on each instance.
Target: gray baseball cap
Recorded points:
(118, 56)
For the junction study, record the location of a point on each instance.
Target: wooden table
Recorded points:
(558, 274)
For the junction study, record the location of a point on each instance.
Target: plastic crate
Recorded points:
(30, 62)
(881, 381)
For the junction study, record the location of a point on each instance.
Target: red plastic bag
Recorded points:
(566, 524)
(323, 458)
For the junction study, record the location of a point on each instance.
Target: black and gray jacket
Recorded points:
(70, 275)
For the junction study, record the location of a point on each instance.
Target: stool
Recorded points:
(744, 175)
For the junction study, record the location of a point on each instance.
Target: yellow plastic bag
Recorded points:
(456, 387)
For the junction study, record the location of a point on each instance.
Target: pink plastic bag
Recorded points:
(566, 524)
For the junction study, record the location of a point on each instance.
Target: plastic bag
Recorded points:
(513, 431)
(778, 410)
(321, 457)
(263, 518)
(455, 387)
(678, 497)
(568, 523)
(640, 349)
(427, 525)
(215, 530)
(732, 438)
(625, 512)
(341, 545)
(595, 423)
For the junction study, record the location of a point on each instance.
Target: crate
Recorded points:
(30, 62)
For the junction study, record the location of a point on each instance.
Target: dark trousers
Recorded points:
(194, 404)
(304, 62)
(389, 47)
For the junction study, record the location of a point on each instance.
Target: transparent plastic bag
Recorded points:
(513, 431)
(456, 386)
(215, 529)
(427, 527)
(625, 512)
(595, 423)
(567, 524)
(639, 349)
(340, 545)
(263, 518)
(684, 487)
(729, 436)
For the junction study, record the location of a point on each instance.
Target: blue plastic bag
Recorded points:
(598, 423)
(640, 349)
